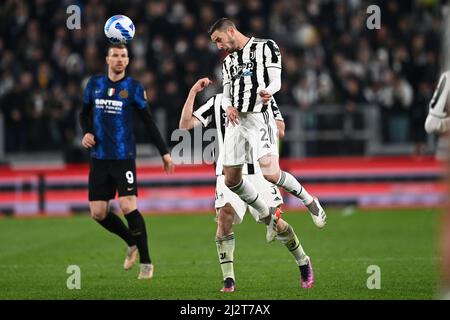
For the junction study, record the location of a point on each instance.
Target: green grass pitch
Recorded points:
(35, 254)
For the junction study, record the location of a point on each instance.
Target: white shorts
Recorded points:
(269, 192)
(254, 137)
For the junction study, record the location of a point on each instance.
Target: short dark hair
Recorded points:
(221, 24)
(117, 46)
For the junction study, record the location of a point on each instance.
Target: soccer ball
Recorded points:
(119, 29)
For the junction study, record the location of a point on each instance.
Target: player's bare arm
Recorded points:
(187, 121)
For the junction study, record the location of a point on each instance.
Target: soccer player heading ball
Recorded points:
(110, 101)
(230, 209)
(251, 76)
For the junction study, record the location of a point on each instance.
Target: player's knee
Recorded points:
(272, 178)
(127, 204)
(127, 207)
(224, 228)
(98, 214)
(270, 167)
(225, 219)
(232, 181)
(233, 176)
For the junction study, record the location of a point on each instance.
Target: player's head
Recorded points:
(223, 33)
(117, 58)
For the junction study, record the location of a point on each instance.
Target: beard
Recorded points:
(232, 45)
(118, 70)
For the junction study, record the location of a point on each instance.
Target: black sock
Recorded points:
(138, 230)
(115, 225)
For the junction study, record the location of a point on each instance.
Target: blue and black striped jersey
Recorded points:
(111, 106)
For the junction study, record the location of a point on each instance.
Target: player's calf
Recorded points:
(225, 217)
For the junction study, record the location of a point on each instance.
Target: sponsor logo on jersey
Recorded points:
(109, 106)
(107, 102)
(242, 70)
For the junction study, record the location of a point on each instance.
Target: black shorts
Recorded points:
(107, 176)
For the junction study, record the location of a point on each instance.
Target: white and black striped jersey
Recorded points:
(246, 72)
(211, 115)
(438, 120)
(439, 104)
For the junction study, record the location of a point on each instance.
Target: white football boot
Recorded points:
(146, 271)
(317, 213)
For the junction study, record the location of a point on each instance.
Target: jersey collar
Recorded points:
(248, 43)
(115, 82)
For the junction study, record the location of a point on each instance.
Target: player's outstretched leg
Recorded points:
(291, 185)
(288, 237)
(273, 174)
(225, 244)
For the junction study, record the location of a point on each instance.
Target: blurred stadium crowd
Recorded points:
(329, 56)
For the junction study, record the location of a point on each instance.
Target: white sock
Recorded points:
(291, 185)
(290, 240)
(247, 192)
(225, 251)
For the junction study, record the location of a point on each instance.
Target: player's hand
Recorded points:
(168, 164)
(88, 140)
(265, 96)
(232, 116)
(200, 85)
